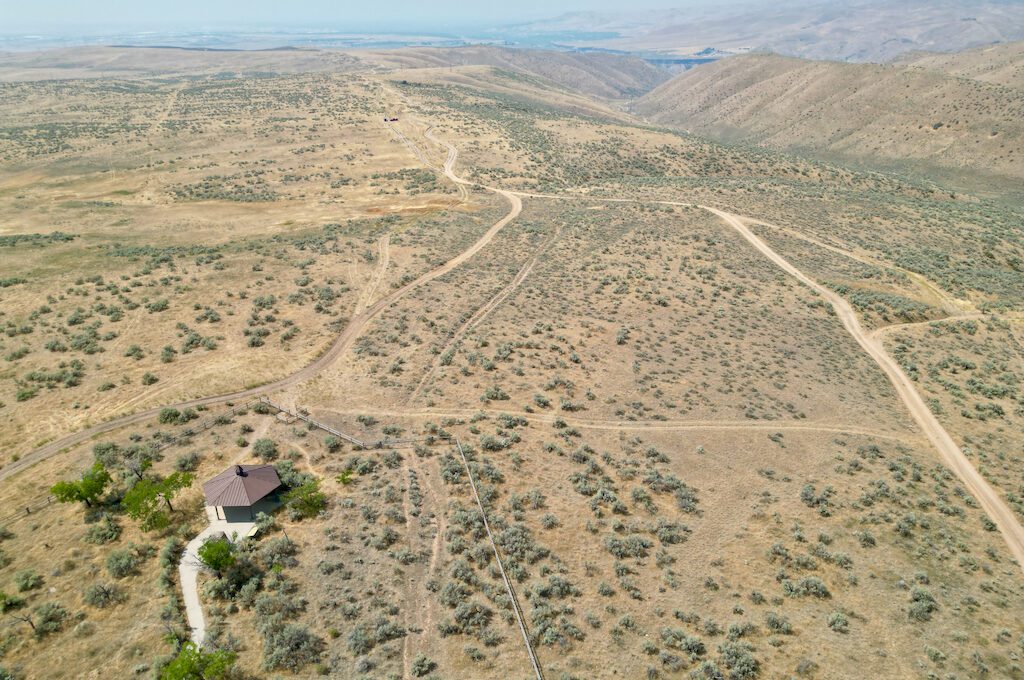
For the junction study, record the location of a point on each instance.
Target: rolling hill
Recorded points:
(605, 76)
(602, 76)
(895, 113)
(1001, 64)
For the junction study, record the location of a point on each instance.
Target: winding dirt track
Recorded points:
(993, 504)
(351, 332)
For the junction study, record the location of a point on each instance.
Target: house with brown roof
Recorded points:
(242, 491)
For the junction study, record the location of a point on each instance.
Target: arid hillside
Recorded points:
(604, 76)
(126, 62)
(892, 113)
(997, 64)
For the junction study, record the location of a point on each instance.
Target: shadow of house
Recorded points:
(239, 493)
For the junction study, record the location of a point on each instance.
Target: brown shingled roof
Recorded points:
(241, 485)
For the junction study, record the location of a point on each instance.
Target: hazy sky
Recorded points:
(90, 15)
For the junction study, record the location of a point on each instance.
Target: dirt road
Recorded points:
(990, 500)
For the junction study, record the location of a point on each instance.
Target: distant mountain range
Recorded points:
(861, 30)
(858, 30)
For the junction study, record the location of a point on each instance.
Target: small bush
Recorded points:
(922, 604)
(104, 531)
(421, 665)
(808, 586)
(188, 462)
(101, 595)
(27, 580)
(266, 449)
(50, 618)
(10, 602)
(290, 647)
(122, 563)
(737, 658)
(778, 624)
(838, 622)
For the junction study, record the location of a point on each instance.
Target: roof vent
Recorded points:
(239, 471)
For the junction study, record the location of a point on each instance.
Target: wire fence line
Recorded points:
(385, 443)
(504, 576)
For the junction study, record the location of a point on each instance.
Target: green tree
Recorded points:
(145, 500)
(217, 553)
(86, 490)
(306, 500)
(192, 663)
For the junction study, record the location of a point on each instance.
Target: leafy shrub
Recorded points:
(217, 554)
(290, 647)
(278, 551)
(778, 624)
(266, 449)
(808, 586)
(106, 530)
(737, 658)
(922, 604)
(631, 546)
(306, 500)
(838, 622)
(10, 602)
(50, 618)
(421, 665)
(27, 580)
(122, 563)
(188, 462)
(102, 595)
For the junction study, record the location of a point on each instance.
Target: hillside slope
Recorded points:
(1001, 64)
(892, 113)
(600, 76)
(133, 62)
(605, 76)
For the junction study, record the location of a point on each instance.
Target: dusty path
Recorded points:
(480, 315)
(990, 500)
(645, 425)
(341, 344)
(885, 330)
(370, 289)
(188, 573)
(460, 184)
